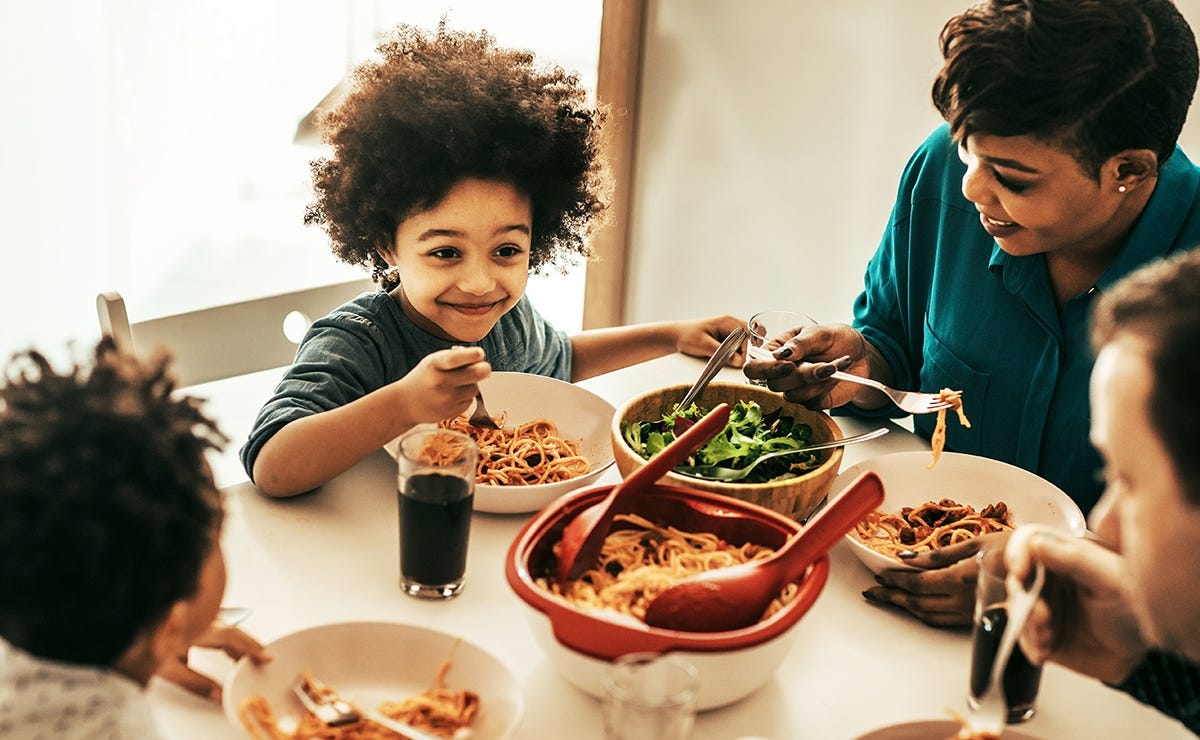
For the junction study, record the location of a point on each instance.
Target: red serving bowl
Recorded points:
(581, 644)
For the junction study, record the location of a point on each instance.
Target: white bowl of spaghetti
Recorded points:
(580, 638)
(421, 676)
(555, 438)
(962, 496)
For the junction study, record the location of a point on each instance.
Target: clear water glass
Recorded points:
(647, 695)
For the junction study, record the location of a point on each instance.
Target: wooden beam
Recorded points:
(617, 82)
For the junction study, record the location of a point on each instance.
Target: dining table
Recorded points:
(331, 556)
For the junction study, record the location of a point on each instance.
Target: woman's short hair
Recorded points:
(1095, 76)
(1160, 303)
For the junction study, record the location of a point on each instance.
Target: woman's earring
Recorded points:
(1121, 188)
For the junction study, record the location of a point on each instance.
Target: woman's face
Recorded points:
(1033, 197)
(465, 262)
(1144, 512)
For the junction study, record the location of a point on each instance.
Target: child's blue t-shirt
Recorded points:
(369, 343)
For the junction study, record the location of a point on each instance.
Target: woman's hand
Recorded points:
(230, 640)
(1084, 619)
(942, 592)
(804, 362)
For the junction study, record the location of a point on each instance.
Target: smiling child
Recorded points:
(458, 168)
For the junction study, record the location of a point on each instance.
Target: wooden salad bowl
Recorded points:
(792, 497)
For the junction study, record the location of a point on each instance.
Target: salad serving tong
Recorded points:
(714, 365)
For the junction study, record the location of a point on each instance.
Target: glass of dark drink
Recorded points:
(1021, 678)
(436, 492)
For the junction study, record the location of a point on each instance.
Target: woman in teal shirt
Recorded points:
(1056, 174)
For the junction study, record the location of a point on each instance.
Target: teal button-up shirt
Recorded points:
(949, 309)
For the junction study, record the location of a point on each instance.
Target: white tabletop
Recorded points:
(332, 556)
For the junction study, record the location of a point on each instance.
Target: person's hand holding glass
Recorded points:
(792, 354)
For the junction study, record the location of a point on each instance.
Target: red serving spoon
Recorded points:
(735, 597)
(584, 535)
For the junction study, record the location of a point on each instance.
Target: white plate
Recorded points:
(930, 730)
(968, 479)
(371, 662)
(579, 415)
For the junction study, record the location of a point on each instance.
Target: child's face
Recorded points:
(465, 262)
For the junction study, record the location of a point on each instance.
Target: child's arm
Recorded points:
(309, 451)
(599, 351)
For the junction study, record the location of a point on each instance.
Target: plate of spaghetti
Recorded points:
(431, 680)
(962, 497)
(555, 438)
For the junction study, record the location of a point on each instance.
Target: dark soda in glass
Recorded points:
(435, 523)
(1021, 678)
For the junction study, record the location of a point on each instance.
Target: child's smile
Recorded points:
(465, 262)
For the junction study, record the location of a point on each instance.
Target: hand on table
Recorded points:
(1084, 619)
(230, 640)
(942, 592)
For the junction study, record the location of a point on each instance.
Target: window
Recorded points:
(149, 147)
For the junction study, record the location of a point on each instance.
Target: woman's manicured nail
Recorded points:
(783, 353)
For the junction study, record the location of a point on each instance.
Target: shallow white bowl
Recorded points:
(371, 662)
(578, 413)
(968, 479)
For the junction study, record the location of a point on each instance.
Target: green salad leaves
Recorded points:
(749, 434)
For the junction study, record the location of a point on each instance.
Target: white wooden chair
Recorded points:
(228, 340)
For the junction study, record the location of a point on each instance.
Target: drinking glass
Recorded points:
(647, 695)
(767, 331)
(436, 492)
(1021, 678)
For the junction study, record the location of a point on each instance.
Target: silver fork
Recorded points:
(334, 712)
(910, 401)
(480, 416)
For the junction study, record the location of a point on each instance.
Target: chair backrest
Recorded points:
(228, 340)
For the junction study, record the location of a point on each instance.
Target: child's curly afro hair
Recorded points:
(439, 107)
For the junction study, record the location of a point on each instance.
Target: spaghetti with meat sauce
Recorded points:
(932, 525)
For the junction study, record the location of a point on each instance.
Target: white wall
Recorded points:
(771, 140)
